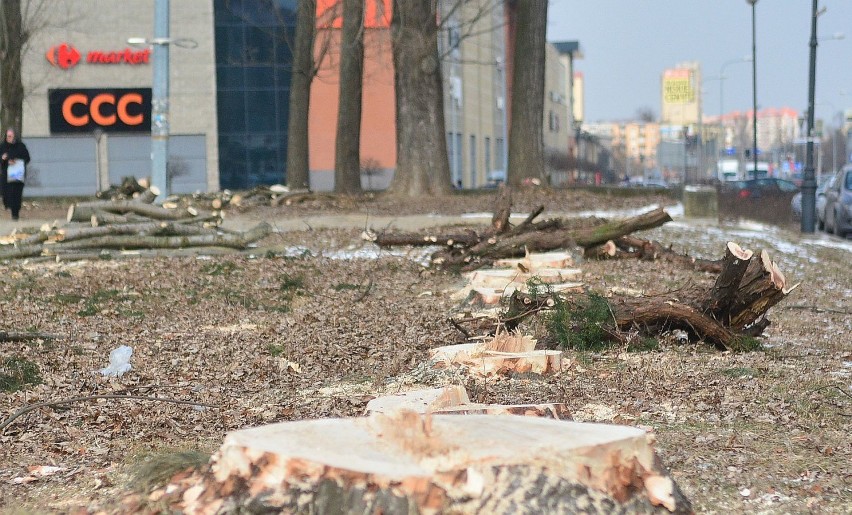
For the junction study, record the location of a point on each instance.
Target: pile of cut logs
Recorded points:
(107, 228)
(747, 284)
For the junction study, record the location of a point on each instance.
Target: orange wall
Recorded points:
(376, 15)
(378, 124)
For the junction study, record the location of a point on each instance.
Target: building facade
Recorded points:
(89, 94)
(88, 97)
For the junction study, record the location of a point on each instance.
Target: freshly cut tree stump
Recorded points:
(557, 411)
(534, 262)
(479, 464)
(489, 362)
(419, 401)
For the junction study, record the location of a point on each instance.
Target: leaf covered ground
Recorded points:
(315, 323)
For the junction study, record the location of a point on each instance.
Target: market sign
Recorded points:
(65, 56)
(110, 110)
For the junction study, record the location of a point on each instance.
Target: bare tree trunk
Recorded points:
(526, 138)
(298, 165)
(347, 159)
(422, 166)
(12, 40)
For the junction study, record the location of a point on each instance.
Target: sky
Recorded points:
(627, 44)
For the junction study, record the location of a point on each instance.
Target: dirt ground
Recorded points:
(316, 322)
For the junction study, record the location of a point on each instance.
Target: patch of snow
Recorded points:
(420, 255)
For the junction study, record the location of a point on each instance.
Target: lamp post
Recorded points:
(159, 97)
(808, 181)
(754, 83)
(160, 94)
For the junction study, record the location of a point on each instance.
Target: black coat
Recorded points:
(16, 150)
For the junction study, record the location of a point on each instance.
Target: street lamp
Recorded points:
(808, 181)
(754, 83)
(160, 93)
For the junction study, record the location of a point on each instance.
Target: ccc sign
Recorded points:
(110, 110)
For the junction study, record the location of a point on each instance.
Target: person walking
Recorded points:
(14, 158)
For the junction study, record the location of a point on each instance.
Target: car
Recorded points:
(756, 188)
(838, 203)
(796, 203)
(819, 208)
(768, 199)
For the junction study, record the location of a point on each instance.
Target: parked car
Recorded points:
(767, 199)
(756, 188)
(820, 200)
(838, 203)
(796, 202)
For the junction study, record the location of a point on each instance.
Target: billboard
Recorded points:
(680, 95)
(678, 86)
(110, 110)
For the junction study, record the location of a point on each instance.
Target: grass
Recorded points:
(17, 373)
(156, 469)
(581, 325)
(223, 268)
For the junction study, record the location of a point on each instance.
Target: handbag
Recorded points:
(15, 172)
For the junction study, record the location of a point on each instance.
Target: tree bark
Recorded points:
(12, 40)
(410, 463)
(347, 162)
(83, 211)
(238, 241)
(298, 163)
(526, 138)
(422, 166)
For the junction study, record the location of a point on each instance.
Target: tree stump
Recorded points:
(436, 464)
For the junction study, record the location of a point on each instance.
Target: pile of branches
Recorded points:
(726, 314)
(106, 228)
(469, 250)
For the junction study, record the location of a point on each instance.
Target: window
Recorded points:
(473, 160)
(487, 156)
(253, 69)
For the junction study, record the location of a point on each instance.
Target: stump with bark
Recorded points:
(412, 463)
(726, 314)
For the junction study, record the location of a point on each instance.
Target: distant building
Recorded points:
(680, 92)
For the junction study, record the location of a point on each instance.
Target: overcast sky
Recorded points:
(628, 43)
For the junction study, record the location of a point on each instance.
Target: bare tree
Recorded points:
(298, 162)
(422, 167)
(12, 40)
(347, 157)
(646, 114)
(526, 138)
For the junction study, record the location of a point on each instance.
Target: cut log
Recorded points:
(540, 239)
(533, 262)
(83, 211)
(473, 464)
(556, 411)
(481, 361)
(238, 241)
(419, 401)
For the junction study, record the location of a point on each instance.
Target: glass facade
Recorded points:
(253, 66)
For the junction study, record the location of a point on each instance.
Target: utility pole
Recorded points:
(808, 181)
(754, 84)
(160, 99)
